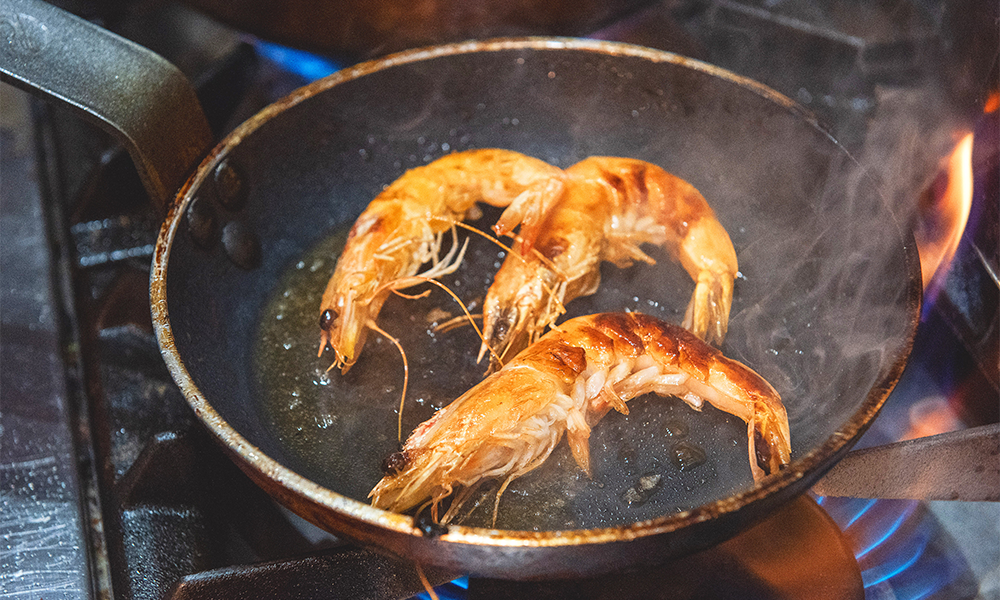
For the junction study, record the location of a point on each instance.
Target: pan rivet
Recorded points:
(676, 428)
(232, 192)
(425, 523)
(202, 223)
(242, 245)
(686, 456)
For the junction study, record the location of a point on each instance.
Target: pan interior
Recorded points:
(823, 307)
(661, 458)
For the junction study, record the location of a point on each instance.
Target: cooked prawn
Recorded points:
(403, 228)
(610, 207)
(566, 382)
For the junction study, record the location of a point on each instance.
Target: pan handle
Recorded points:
(959, 465)
(133, 93)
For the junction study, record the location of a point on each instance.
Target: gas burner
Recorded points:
(798, 552)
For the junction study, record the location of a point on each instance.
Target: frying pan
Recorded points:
(825, 306)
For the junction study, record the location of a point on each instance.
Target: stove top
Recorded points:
(111, 489)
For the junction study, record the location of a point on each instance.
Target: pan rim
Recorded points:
(794, 479)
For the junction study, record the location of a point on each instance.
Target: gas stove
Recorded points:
(111, 489)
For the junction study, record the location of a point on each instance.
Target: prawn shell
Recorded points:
(611, 207)
(401, 229)
(509, 423)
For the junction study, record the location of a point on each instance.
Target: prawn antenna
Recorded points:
(555, 304)
(406, 375)
(409, 281)
(454, 323)
(496, 502)
(422, 294)
(459, 501)
(427, 585)
(483, 234)
(541, 258)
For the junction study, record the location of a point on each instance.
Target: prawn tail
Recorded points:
(707, 254)
(768, 445)
(707, 314)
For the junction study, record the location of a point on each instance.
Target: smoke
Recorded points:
(912, 132)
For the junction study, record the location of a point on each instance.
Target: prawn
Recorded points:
(566, 382)
(610, 207)
(403, 228)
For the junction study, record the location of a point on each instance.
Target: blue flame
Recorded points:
(881, 538)
(893, 570)
(895, 548)
(307, 65)
(894, 545)
(846, 511)
(453, 590)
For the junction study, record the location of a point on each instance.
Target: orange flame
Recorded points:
(942, 229)
(931, 416)
(992, 102)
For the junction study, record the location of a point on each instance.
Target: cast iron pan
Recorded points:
(825, 308)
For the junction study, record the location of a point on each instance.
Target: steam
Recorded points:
(911, 134)
(837, 323)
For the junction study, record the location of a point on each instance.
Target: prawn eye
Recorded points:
(327, 318)
(395, 462)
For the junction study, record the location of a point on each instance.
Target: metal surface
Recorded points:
(961, 465)
(43, 546)
(797, 552)
(129, 91)
(965, 520)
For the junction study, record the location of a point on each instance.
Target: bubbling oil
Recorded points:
(338, 428)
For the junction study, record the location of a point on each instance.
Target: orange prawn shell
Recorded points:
(438, 453)
(401, 227)
(611, 207)
(510, 422)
